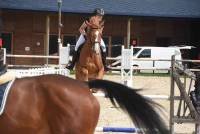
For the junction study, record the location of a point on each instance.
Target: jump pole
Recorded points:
(117, 129)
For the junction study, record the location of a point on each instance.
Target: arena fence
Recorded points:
(186, 112)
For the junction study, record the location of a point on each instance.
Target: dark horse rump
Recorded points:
(54, 104)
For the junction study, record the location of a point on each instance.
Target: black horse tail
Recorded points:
(139, 109)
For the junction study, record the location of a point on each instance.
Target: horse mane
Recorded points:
(95, 26)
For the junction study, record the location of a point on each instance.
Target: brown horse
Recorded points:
(90, 64)
(54, 104)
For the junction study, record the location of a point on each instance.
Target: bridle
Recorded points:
(97, 42)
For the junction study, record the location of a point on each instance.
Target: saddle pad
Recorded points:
(4, 91)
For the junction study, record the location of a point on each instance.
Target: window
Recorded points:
(7, 42)
(146, 53)
(106, 41)
(53, 45)
(117, 42)
(136, 50)
(70, 39)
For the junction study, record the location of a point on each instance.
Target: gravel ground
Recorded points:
(156, 85)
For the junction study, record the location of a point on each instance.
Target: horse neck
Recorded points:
(88, 44)
(88, 49)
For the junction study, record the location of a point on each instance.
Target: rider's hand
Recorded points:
(83, 32)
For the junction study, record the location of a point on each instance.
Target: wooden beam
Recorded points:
(128, 32)
(185, 96)
(109, 46)
(185, 71)
(197, 128)
(171, 121)
(181, 119)
(47, 37)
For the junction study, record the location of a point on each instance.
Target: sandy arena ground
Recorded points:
(153, 85)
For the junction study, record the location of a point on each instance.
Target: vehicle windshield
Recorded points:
(136, 50)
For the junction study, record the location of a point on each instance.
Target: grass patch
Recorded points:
(109, 73)
(145, 74)
(153, 74)
(72, 72)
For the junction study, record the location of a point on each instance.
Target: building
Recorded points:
(152, 23)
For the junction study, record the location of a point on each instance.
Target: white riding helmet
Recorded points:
(99, 11)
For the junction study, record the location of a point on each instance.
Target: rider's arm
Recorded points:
(102, 23)
(102, 26)
(101, 29)
(82, 28)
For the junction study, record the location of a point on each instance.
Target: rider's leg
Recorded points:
(3, 67)
(103, 49)
(80, 42)
(76, 53)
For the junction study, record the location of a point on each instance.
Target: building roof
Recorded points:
(157, 8)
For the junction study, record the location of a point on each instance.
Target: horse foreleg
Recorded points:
(100, 73)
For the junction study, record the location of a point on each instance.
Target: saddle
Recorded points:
(7, 76)
(5, 86)
(6, 80)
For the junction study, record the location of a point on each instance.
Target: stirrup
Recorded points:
(106, 68)
(69, 66)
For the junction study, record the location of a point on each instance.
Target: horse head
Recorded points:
(94, 37)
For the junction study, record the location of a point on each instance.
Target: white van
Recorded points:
(162, 53)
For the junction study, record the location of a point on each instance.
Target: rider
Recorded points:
(3, 67)
(96, 17)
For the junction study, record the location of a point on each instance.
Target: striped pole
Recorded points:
(117, 129)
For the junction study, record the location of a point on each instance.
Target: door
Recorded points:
(53, 48)
(70, 39)
(117, 42)
(7, 43)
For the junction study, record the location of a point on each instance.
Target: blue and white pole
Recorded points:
(117, 129)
